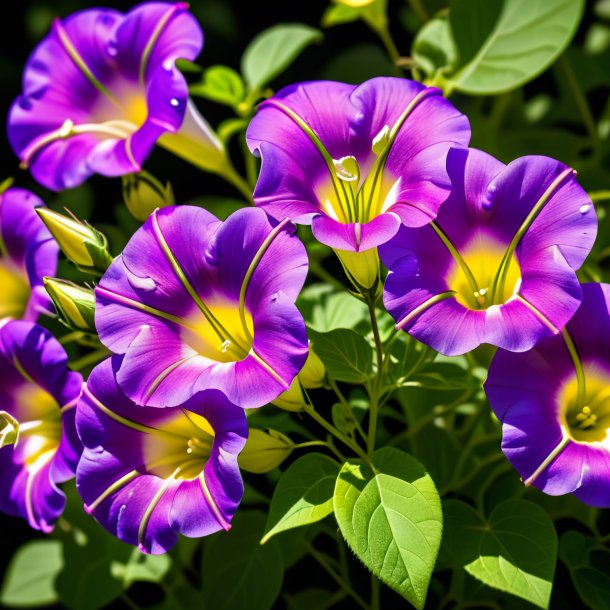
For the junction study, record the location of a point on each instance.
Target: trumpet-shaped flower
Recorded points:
(355, 161)
(39, 394)
(102, 88)
(554, 405)
(196, 304)
(498, 264)
(149, 474)
(27, 254)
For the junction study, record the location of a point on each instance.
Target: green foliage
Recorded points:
(346, 355)
(390, 516)
(273, 50)
(29, 579)
(220, 84)
(237, 571)
(303, 495)
(514, 550)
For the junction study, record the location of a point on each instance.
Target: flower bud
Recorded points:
(313, 374)
(75, 305)
(264, 451)
(143, 194)
(355, 3)
(9, 430)
(292, 399)
(80, 242)
(362, 268)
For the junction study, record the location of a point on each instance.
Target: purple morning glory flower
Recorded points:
(196, 304)
(498, 264)
(355, 161)
(149, 474)
(38, 391)
(554, 405)
(27, 254)
(102, 88)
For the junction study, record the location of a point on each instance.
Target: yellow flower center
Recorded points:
(587, 420)
(15, 291)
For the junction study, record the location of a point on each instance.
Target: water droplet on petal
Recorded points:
(168, 65)
(584, 209)
(225, 346)
(174, 102)
(112, 49)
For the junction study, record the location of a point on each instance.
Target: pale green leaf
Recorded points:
(220, 84)
(273, 50)
(391, 518)
(514, 550)
(303, 495)
(503, 44)
(141, 568)
(30, 578)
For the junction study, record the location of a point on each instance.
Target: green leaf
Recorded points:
(503, 44)
(237, 571)
(589, 572)
(515, 550)
(273, 50)
(324, 309)
(336, 14)
(303, 495)
(141, 568)
(346, 355)
(30, 577)
(220, 84)
(391, 518)
(433, 47)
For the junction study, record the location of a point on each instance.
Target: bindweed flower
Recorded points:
(498, 264)
(27, 254)
(84, 246)
(196, 304)
(554, 405)
(355, 161)
(38, 396)
(75, 305)
(102, 88)
(149, 474)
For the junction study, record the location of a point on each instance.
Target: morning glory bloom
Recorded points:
(554, 405)
(355, 161)
(27, 254)
(195, 304)
(149, 474)
(39, 393)
(102, 88)
(498, 264)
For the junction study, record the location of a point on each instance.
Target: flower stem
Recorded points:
(374, 393)
(347, 408)
(374, 592)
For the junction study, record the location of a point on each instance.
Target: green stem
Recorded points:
(581, 102)
(310, 444)
(374, 592)
(336, 433)
(321, 559)
(347, 408)
(390, 46)
(374, 393)
(249, 163)
(92, 358)
(580, 373)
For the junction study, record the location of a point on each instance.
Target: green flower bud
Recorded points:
(9, 430)
(313, 374)
(75, 305)
(143, 194)
(292, 399)
(264, 451)
(86, 247)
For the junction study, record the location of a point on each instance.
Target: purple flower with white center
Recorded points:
(355, 161)
(554, 405)
(27, 254)
(38, 391)
(149, 474)
(102, 88)
(195, 304)
(498, 264)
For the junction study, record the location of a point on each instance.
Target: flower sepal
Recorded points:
(264, 451)
(143, 194)
(362, 270)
